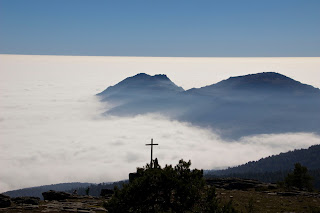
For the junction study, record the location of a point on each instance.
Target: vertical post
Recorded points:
(151, 152)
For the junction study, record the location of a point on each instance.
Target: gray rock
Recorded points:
(239, 184)
(53, 195)
(31, 207)
(5, 201)
(84, 211)
(100, 209)
(26, 200)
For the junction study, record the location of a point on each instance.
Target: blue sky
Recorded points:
(198, 28)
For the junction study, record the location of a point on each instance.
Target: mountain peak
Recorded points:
(146, 77)
(264, 76)
(265, 82)
(145, 84)
(161, 76)
(141, 75)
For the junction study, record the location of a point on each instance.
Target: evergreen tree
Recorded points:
(299, 178)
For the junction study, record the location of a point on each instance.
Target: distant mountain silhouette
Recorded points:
(262, 83)
(37, 191)
(244, 105)
(141, 86)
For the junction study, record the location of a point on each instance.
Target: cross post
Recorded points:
(151, 144)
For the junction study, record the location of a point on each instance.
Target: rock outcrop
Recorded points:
(84, 204)
(5, 201)
(26, 200)
(239, 184)
(54, 195)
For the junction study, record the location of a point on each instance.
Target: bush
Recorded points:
(177, 189)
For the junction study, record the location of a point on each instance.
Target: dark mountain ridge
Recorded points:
(261, 82)
(145, 82)
(141, 86)
(239, 106)
(94, 189)
(281, 162)
(37, 191)
(274, 168)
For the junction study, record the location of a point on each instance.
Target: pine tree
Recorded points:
(299, 178)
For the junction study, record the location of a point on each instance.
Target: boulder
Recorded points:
(5, 201)
(106, 192)
(26, 200)
(54, 195)
(233, 183)
(289, 193)
(240, 185)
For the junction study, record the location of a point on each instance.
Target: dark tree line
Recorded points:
(276, 167)
(95, 189)
(272, 177)
(282, 162)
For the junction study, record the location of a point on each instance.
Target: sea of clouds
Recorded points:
(52, 129)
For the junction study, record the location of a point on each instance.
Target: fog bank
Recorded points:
(52, 129)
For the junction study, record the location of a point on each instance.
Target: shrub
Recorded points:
(171, 189)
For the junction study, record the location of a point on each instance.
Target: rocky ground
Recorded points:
(246, 196)
(270, 201)
(255, 196)
(83, 204)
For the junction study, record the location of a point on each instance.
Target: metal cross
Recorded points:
(151, 144)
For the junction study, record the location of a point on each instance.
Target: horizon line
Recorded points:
(9, 54)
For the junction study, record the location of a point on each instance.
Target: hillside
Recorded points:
(284, 161)
(275, 168)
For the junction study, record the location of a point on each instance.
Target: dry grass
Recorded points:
(254, 201)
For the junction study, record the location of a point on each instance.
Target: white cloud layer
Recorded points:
(52, 131)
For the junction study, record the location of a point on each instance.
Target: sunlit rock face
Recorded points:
(239, 106)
